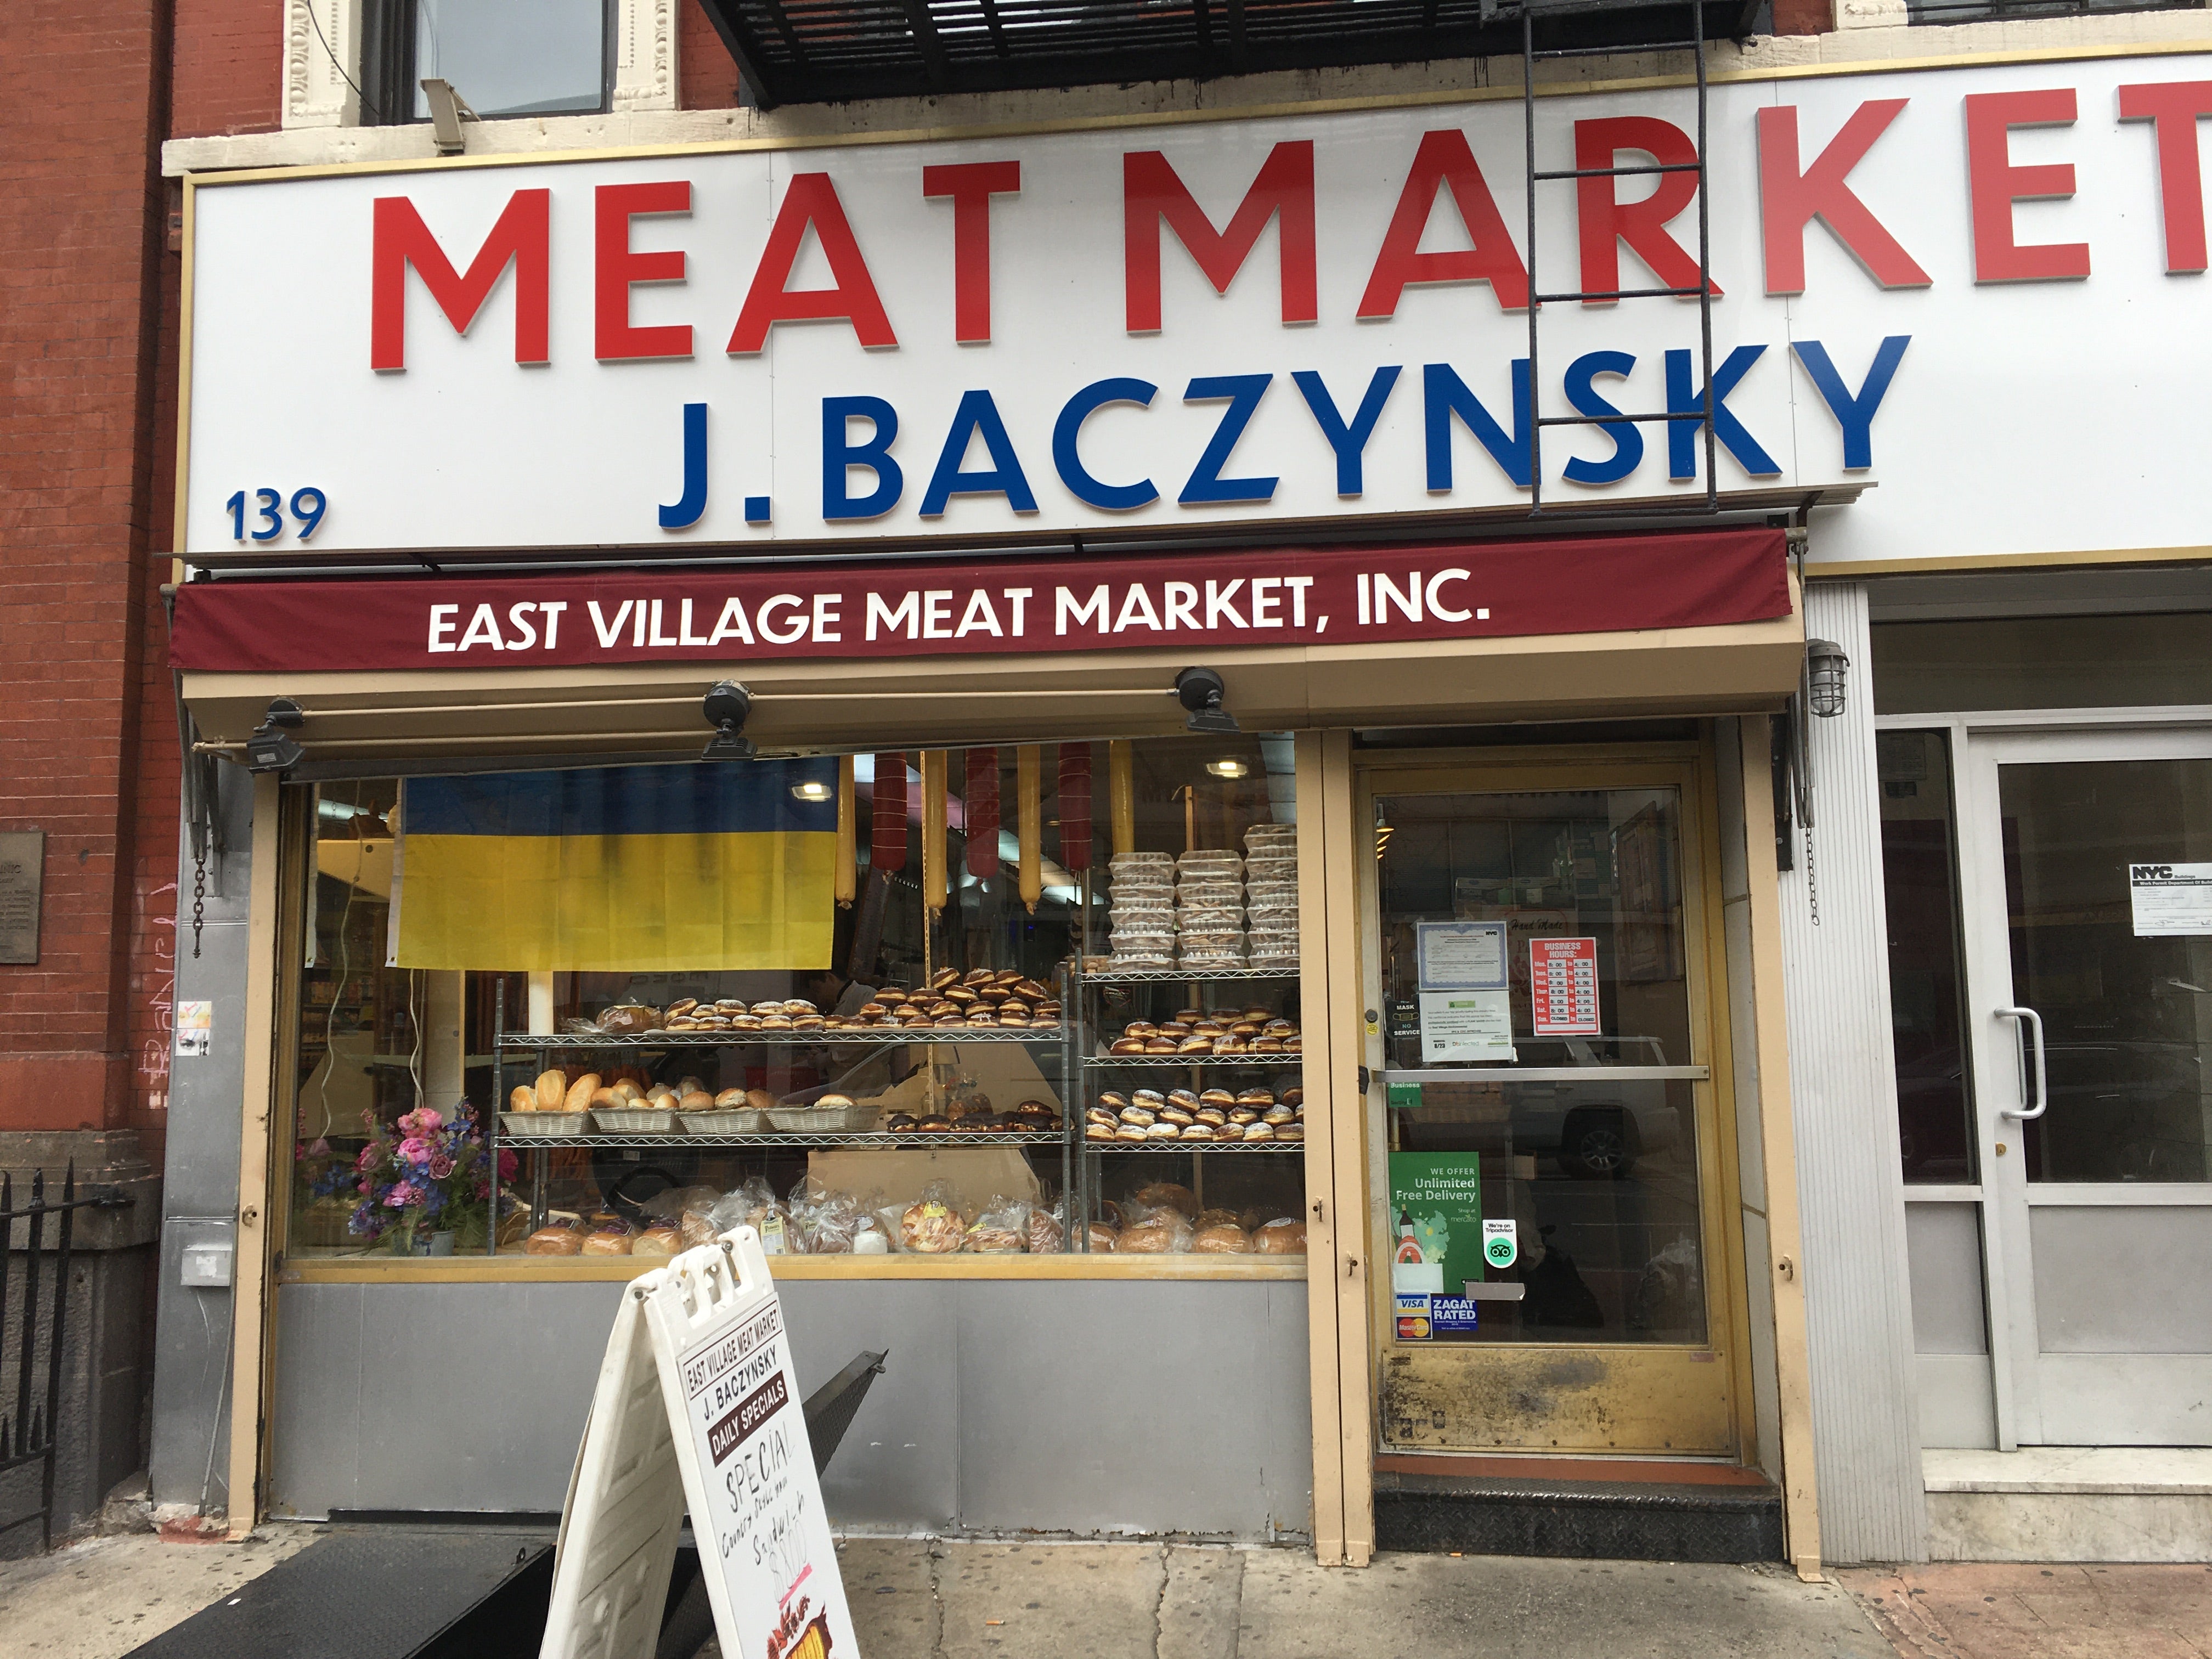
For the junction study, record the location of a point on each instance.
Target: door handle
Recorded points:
(2034, 1022)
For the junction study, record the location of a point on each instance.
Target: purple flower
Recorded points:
(440, 1166)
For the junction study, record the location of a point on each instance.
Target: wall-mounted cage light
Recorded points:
(1826, 670)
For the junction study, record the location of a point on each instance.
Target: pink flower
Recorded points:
(440, 1166)
(414, 1149)
(508, 1164)
(368, 1158)
(429, 1118)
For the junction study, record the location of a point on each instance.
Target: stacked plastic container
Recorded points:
(1210, 910)
(1271, 894)
(1143, 931)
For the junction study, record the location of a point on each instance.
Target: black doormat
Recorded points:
(382, 1592)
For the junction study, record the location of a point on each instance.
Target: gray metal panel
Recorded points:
(1135, 1407)
(452, 1397)
(1958, 1401)
(1858, 1304)
(2114, 1278)
(987, 1416)
(1944, 1249)
(189, 1457)
(898, 1467)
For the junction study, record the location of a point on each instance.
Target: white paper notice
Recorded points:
(1458, 1025)
(1462, 955)
(2171, 900)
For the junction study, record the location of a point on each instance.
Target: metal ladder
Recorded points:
(1530, 11)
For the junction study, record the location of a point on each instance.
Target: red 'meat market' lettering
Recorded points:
(811, 199)
(522, 236)
(617, 267)
(2176, 107)
(970, 185)
(1445, 160)
(1996, 183)
(1606, 221)
(1789, 200)
(1153, 192)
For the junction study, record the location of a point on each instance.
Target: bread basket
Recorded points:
(819, 1121)
(543, 1126)
(635, 1119)
(744, 1122)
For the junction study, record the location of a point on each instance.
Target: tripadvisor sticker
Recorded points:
(1500, 1247)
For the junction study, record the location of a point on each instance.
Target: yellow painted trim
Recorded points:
(1720, 1061)
(1489, 94)
(1854, 570)
(1793, 1365)
(620, 1269)
(250, 1298)
(1345, 870)
(1323, 1341)
(184, 391)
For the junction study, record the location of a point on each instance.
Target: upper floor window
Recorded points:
(505, 58)
(1984, 11)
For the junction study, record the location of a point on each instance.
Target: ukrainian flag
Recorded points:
(625, 868)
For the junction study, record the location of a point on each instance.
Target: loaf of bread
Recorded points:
(1226, 1238)
(554, 1241)
(552, 1088)
(657, 1241)
(524, 1098)
(1283, 1236)
(580, 1092)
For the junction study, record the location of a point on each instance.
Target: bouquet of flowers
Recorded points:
(425, 1172)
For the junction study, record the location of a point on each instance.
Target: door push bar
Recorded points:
(2035, 1041)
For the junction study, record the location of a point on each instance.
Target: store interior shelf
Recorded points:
(739, 1143)
(1188, 975)
(1117, 1147)
(572, 1042)
(1108, 1062)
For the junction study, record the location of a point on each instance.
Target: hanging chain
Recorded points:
(1811, 877)
(199, 898)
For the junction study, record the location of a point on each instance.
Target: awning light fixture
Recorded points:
(270, 747)
(725, 706)
(1201, 690)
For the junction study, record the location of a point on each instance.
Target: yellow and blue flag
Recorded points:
(718, 866)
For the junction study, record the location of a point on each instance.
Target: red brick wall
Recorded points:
(1804, 16)
(229, 67)
(708, 73)
(83, 103)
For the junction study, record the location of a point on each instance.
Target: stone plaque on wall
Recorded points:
(22, 867)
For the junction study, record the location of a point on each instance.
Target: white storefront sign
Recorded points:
(1971, 284)
(697, 1407)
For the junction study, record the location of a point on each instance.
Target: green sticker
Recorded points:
(1404, 1096)
(1501, 1247)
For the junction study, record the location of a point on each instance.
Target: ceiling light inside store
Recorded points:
(813, 789)
(1232, 768)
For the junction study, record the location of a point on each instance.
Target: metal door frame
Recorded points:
(1981, 744)
(1689, 768)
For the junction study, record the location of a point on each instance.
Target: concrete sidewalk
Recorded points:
(938, 1599)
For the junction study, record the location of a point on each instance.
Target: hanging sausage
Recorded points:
(1075, 806)
(887, 827)
(1028, 792)
(933, 814)
(848, 875)
(980, 781)
(1122, 794)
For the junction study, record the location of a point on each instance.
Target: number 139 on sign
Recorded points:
(307, 505)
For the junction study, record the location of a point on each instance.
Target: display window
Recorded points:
(1030, 1001)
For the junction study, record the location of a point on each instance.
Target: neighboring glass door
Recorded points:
(2088, 888)
(1543, 1157)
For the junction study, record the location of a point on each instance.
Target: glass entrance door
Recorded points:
(2088, 883)
(1545, 1144)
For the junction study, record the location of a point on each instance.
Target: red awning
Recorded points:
(861, 610)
